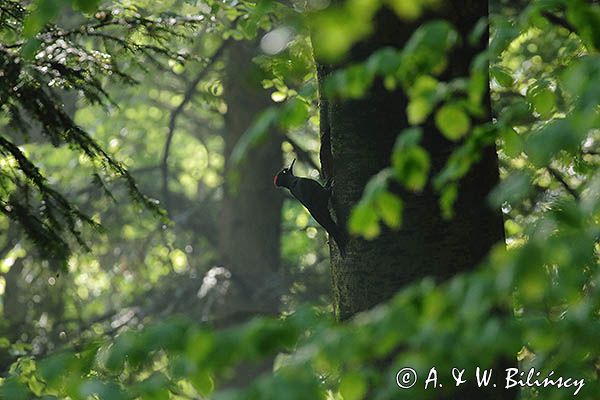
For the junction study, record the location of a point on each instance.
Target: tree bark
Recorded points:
(362, 133)
(359, 137)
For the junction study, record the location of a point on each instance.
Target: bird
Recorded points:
(315, 197)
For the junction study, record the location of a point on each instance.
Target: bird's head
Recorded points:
(285, 176)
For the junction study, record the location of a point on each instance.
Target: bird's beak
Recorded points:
(292, 166)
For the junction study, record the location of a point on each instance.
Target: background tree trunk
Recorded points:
(250, 226)
(250, 223)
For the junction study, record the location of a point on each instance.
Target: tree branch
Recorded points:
(557, 175)
(302, 154)
(189, 94)
(556, 20)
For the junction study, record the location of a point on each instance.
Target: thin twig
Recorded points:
(189, 94)
(556, 20)
(557, 175)
(302, 154)
(591, 152)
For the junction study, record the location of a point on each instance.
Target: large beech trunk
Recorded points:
(357, 139)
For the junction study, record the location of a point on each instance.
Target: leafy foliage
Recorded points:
(33, 73)
(544, 69)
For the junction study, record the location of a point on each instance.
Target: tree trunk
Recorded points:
(357, 139)
(250, 220)
(362, 134)
(250, 226)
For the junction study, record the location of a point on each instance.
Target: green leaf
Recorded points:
(543, 101)
(586, 19)
(411, 167)
(376, 184)
(42, 12)
(335, 29)
(512, 144)
(364, 222)
(30, 48)
(479, 81)
(410, 161)
(505, 32)
(408, 137)
(203, 383)
(358, 79)
(512, 189)
(418, 110)
(384, 62)
(389, 207)
(423, 98)
(434, 37)
(406, 9)
(452, 121)
(559, 135)
(425, 86)
(516, 114)
(502, 75)
(477, 32)
(103, 390)
(353, 386)
(86, 5)
(51, 368)
(447, 199)
(13, 389)
(294, 113)
(254, 135)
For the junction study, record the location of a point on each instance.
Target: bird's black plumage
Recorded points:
(313, 196)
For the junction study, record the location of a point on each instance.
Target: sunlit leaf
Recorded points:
(353, 386)
(543, 100)
(410, 161)
(418, 110)
(254, 135)
(389, 207)
(448, 197)
(502, 75)
(364, 221)
(452, 121)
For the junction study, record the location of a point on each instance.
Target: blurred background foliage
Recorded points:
(113, 282)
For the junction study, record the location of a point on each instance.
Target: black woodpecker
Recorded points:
(315, 198)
